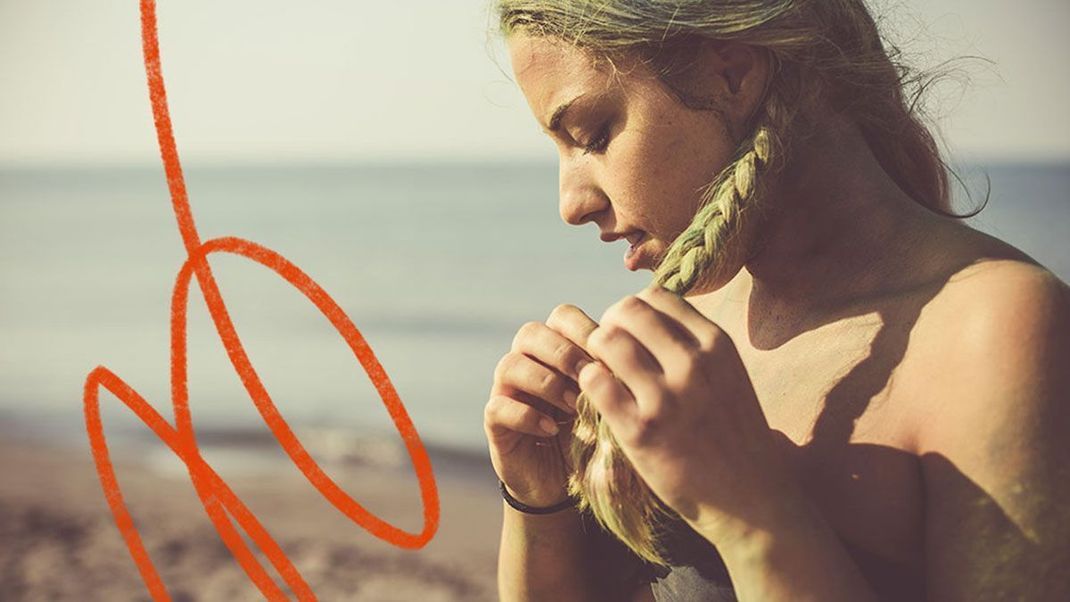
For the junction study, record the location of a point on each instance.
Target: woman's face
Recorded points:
(633, 158)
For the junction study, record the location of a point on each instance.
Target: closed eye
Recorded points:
(599, 143)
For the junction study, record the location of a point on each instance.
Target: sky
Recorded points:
(346, 80)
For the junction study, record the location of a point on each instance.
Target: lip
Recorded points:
(612, 236)
(634, 256)
(630, 235)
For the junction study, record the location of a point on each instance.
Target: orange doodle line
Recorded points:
(221, 504)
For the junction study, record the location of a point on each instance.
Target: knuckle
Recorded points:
(646, 425)
(562, 353)
(605, 336)
(499, 368)
(622, 308)
(506, 365)
(611, 333)
(526, 331)
(492, 409)
(561, 315)
(610, 314)
(632, 303)
(561, 310)
(708, 338)
(547, 382)
(716, 340)
(694, 357)
(597, 337)
(693, 362)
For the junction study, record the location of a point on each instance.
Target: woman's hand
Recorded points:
(534, 384)
(680, 404)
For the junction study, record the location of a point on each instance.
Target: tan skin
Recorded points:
(871, 404)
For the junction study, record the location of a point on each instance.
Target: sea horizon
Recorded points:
(436, 263)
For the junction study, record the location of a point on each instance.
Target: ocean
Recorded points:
(438, 265)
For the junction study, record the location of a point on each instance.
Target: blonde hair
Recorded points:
(826, 53)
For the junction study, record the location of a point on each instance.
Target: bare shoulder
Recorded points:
(994, 324)
(992, 342)
(996, 295)
(995, 303)
(991, 294)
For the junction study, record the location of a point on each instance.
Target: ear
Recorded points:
(742, 72)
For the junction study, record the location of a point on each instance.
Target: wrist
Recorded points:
(564, 502)
(535, 496)
(753, 534)
(779, 506)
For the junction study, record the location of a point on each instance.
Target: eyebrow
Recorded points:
(559, 114)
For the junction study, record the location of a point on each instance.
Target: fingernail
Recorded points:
(587, 368)
(580, 365)
(548, 425)
(570, 398)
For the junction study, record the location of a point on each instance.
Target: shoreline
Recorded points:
(62, 543)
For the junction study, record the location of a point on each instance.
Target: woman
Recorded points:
(833, 390)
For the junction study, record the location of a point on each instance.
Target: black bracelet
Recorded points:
(516, 504)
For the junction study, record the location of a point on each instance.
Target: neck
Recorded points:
(839, 231)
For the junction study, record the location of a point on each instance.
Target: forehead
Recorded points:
(550, 72)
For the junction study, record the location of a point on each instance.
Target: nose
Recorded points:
(580, 197)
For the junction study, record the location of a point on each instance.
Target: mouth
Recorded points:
(632, 256)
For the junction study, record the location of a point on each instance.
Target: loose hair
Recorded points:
(826, 53)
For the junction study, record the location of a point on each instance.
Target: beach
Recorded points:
(437, 265)
(61, 543)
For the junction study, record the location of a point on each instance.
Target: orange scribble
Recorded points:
(223, 507)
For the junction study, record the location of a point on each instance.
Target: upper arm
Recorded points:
(995, 449)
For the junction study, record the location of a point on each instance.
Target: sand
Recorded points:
(59, 541)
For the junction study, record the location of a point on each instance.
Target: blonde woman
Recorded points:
(833, 389)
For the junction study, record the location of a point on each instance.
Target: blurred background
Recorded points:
(383, 148)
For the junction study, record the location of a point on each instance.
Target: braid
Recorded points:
(603, 480)
(735, 191)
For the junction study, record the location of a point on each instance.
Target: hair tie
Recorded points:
(516, 504)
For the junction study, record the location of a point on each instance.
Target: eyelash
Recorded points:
(599, 143)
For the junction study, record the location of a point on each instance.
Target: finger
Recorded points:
(573, 324)
(516, 372)
(628, 361)
(551, 349)
(701, 328)
(609, 397)
(504, 415)
(666, 339)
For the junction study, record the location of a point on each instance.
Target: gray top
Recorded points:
(695, 573)
(687, 583)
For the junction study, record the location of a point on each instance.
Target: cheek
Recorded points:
(703, 149)
(664, 172)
